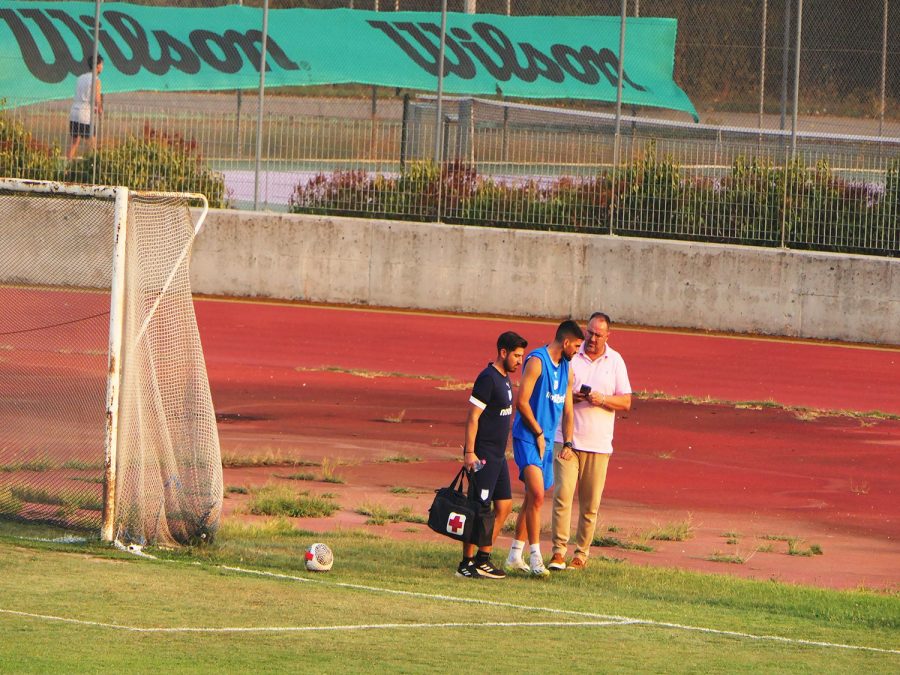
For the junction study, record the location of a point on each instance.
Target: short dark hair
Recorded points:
(510, 341)
(601, 315)
(569, 329)
(90, 61)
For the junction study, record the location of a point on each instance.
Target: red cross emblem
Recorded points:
(455, 523)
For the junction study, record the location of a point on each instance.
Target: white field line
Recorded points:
(613, 619)
(596, 619)
(307, 629)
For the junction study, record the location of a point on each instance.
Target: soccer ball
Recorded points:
(319, 558)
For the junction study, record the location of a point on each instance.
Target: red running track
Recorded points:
(731, 368)
(747, 469)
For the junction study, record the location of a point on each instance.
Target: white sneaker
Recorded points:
(516, 565)
(537, 568)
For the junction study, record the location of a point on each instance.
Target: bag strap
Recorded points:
(457, 482)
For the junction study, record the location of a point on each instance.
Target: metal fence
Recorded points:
(738, 61)
(742, 175)
(505, 165)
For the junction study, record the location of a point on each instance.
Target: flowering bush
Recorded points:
(755, 202)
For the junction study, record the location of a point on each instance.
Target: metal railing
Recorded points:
(506, 165)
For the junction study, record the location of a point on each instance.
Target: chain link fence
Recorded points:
(750, 172)
(728, 54)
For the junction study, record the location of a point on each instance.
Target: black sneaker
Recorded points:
(467, 570)
(487, 570)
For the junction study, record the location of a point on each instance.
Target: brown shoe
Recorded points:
(557, 563)
(578, 564)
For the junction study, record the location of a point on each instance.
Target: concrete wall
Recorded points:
(524, 273)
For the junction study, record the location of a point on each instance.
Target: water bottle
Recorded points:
(479, 465)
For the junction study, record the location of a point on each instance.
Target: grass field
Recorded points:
(246, 602)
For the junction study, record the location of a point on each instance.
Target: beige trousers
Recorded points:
(586, 473)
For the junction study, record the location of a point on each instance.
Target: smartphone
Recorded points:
(585, 389)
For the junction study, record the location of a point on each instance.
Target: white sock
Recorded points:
(535, 549)
(515, 550)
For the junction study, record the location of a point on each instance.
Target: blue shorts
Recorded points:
(526, 454)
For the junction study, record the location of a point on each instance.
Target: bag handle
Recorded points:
(457, 482)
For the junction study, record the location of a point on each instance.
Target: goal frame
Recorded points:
(120, 196)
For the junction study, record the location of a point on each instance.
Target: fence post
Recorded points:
(237, 127)
(617, 139)
(445, 141)
(93, 121)
(373, 114)
(439, 116)
(404, 132)
(504, 138)
(796, 78)
(784, 200)
(259, 112)
(884, 38)
(785, 60)
(762, 65)
(620, 76)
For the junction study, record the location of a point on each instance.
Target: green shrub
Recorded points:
(155, 161)
(21, 156)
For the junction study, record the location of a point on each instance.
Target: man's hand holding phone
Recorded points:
(582, 394)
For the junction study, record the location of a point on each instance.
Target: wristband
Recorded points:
(539, 434)
(568, 444)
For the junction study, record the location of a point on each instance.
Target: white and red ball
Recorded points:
(319, 558)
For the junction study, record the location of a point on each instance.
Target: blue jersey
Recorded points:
(547, 398)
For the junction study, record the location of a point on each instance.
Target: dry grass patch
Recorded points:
(865, 418)
(733, 558)
(261, 457)
(395, 419)
(618, 542)
(674, 531)
(796, 546)
(380, 515)
(859, 487)
(399, 459)
(455, 386)
(280, 500)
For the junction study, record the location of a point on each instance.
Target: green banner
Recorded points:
(44, 48)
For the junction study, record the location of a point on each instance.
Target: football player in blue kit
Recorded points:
(484, 451)
(545, 400)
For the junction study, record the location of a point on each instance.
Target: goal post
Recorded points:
(116, 311)
(100, 324)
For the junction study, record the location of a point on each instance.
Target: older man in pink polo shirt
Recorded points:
(600, 389)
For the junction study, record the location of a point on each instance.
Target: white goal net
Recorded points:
(106, 419)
